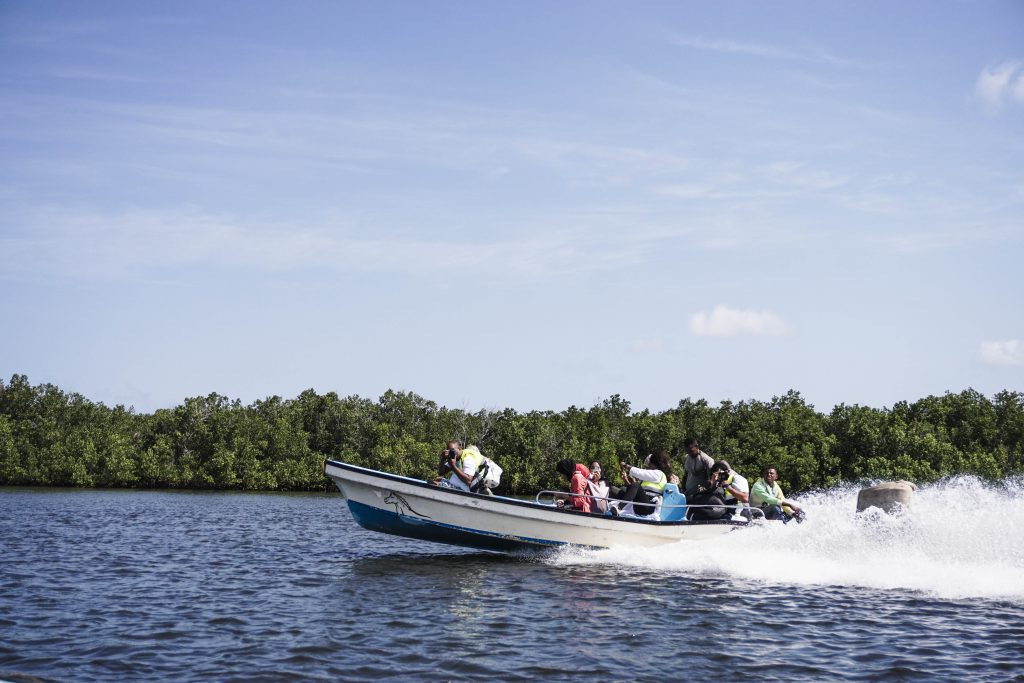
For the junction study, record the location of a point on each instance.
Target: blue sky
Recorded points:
(528, 205)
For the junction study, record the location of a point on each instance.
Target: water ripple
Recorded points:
(119, 585)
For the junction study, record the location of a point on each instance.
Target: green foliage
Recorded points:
(50, 438)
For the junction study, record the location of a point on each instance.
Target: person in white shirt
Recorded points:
(598, 487)
(463, 464)
(735, 487)
(644, 486)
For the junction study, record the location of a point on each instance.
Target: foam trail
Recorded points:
(961, 538)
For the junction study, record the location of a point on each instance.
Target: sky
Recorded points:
(525, 205)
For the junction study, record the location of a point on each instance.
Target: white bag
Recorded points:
(492, 474)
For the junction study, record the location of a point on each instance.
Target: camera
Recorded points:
(443, 465)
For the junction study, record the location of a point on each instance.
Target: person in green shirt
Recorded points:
(767, 495)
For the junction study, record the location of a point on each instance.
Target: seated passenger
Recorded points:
(644, 486)
(767, 495)
(463, 464)
(735, 488)
(707, 502)
(578, 476)
(598, 488)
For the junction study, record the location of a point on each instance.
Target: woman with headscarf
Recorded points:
(578, 475)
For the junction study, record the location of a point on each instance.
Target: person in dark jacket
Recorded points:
(697, 465)
(707, 502)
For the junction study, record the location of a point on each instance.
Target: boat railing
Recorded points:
(543, 497)
(555, 496)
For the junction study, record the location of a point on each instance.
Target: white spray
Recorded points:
(961, 538)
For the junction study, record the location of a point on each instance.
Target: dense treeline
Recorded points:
(52, 438)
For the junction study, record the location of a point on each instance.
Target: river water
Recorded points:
(174, 586)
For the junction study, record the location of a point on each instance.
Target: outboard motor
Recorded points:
(889, 496)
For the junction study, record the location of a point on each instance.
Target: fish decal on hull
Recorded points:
(402, 506)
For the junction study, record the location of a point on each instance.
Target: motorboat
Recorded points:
(423, 510)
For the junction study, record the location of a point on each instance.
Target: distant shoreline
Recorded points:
(50, 438)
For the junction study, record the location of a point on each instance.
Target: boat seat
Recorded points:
(672, 496)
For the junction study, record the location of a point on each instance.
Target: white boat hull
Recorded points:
(414, 508)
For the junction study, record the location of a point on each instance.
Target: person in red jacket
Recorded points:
(578, 475)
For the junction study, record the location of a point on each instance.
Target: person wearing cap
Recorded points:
(597, 486)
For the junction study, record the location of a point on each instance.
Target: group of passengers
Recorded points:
(713, 490)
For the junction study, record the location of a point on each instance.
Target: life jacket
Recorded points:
(732, 500)
(471, 457)
(729, 498)
(655, 487)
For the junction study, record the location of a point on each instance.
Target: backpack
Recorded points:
(488, 477)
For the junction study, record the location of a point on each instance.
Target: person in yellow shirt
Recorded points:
(767, 495)
(463, 464)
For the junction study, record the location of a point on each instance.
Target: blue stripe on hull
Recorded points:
(388, 522)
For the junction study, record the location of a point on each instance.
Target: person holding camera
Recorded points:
(735, 489)
(644, 486)
(767, 495)
(462, 463)
(707, 502)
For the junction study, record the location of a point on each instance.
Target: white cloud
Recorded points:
(761, 50)
(693, 191)
(1006, 352)
(1018, 88)
(78, 243)
(997, 83)
(732, 47)
(803, 177)
(729, 322)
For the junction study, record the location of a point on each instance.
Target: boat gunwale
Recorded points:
(522, 503)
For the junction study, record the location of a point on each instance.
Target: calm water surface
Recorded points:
(171, 586)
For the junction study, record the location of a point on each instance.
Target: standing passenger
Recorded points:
(698, 466)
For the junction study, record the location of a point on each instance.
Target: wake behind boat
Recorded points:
(398, 505)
